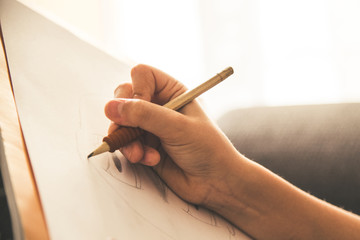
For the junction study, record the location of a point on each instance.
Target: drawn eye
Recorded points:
(122, 171)
(117, 162)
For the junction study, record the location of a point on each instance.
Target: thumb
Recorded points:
(161, 121)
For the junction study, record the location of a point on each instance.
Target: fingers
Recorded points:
(146, 154)
(151, 156)
(133, 152)
(153, 118)
(124, 90)
(137, 152)
(151, 84)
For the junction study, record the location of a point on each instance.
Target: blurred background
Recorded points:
(283, 52)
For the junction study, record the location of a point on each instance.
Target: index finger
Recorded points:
(151, 84)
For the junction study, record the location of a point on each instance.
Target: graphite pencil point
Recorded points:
(90, 155)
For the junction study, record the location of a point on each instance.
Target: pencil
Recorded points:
(124, 135)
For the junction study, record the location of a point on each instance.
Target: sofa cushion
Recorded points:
(315, 147)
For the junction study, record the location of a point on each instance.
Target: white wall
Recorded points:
(283, 52)
(286, 52)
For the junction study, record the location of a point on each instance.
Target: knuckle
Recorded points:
(123, 88)
(138, 69)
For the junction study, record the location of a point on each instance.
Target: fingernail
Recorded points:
(114, 108)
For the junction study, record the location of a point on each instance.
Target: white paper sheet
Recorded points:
(61, 85)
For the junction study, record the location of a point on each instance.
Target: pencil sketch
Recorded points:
(201, 214)
(117, 162)
(157, 182)
(122, 170)
(232, 231)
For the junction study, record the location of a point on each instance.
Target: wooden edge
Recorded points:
(21, 176)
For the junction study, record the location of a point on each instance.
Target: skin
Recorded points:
(199, 163)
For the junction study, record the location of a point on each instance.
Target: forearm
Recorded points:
(267, 207)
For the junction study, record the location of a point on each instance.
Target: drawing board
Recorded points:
(61, 84)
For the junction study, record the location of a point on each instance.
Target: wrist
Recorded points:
(248, 196)
(228, 192)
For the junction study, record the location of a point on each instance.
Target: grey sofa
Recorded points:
(315, 147)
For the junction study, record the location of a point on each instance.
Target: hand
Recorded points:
(185, 148)
(199, 163)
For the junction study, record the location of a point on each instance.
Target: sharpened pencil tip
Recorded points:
(90, 155)
(104, 147)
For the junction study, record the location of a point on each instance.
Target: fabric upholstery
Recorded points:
(315, 147)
